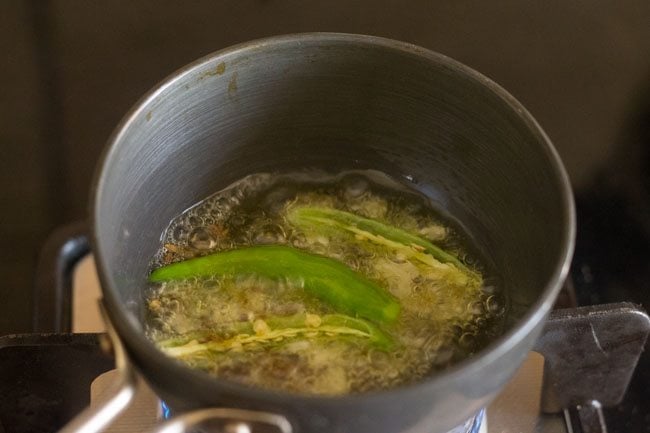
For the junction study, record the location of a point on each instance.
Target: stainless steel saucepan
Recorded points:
(338, 102)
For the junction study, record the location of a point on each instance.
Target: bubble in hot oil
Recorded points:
(476, 308)
(354, 186)
(276, 199)
(202, 239)
(489, 289)
(299, 240)
(457, 330)
(467, 340)
(493, 306)
(179, 234)
(468, 259)
(491, 285)
(195, 220)
(270, 234)
(237, 220)
(480, 322)
(218, 207)
(443, 356)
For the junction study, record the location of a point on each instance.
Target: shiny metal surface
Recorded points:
(226, 421)
(97, 419)
(590, 354)
(336, 102)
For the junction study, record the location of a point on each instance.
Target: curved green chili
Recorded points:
(327, 279)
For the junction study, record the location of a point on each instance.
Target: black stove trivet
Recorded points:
(45, 379)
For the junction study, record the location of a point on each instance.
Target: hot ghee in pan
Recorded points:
(320, 284)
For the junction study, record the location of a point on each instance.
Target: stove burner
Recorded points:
(476, 424)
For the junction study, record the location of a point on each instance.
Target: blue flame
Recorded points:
(166, 411)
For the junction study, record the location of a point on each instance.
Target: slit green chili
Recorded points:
(275, 330)
(326, 279)
(372, 229)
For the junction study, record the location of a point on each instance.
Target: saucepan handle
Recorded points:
(61, 252)
(96, 419)
(218, 420)
(52, 304)
(590, 354)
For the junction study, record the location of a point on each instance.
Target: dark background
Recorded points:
(71, 69)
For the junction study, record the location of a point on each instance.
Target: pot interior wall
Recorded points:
(333, 106)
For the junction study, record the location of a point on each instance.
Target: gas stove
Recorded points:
(49, 377)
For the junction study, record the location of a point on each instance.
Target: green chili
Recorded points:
(274, 330)
(371, 229)
(329, 280)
